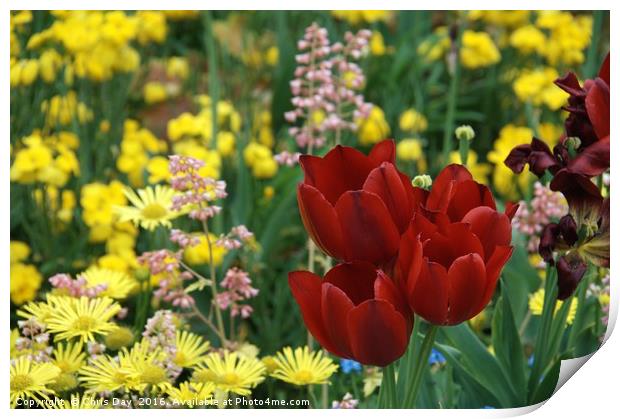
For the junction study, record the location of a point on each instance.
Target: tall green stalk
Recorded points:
(387, 399)
(214, 92)
(415, 379)
(544, 329)
(448, 130)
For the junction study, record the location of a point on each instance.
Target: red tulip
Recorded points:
(449, 272)
(355, 312)
(355, 207)
(453, 195)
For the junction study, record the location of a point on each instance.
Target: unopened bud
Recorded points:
(573, 142)
(422, 181)
(465, 132)
(142, 274)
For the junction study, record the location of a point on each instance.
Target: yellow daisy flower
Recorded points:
(30, 380)
(191, 394)
(303, 367)
(118, 284)
(270, 363)
(537, 301)
(14, 336)
(147, 363)
(230, 372)
(69, 359)
(191, 349)
(38, 310)
(82, 318)
(107, 374)
(151, 207)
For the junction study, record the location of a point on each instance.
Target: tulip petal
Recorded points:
(603, 72)
(429, 298)
(386, 289)
(342, 169)
(466, 284)
(355, 279)
(492, 228)
(335, 307)
(592, 160)
(306, 289)
(321, 221)
(511, 209)
(597, 105)
(467, 195)
(454, 241)
(377, 332)
(571, 269)
(367, 227)
(383, 151)
(410, 258)
(494, 267)
(443, 186)
(422, 226)
(385, 181)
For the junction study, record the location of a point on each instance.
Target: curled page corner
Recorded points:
(569, 367)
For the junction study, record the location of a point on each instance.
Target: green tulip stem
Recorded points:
(415, 381)
(387, 397)
(464, 150)
(448, 131)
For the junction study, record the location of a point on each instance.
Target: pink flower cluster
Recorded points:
(286, 158)
(76, 287)
(34, 340)
(238, 287)
(235, 239)
(327, 80)
(183, 239)
(347, 402)
(532, 217)
(94, 350)
(170, 288)
(160, 332)
(196, 191)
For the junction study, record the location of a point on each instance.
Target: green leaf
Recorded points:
(508, 347)
(480, 364)
(520, 279)
(547, 385)
(278, 218)
(474, 390)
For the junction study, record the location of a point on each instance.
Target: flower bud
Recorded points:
(422, 181)
(465, 132)
(119, 338)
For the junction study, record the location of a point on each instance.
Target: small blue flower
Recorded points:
(349, 365)
(436, 357)
(530, 361)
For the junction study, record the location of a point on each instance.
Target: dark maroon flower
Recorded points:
(537, 155)
(584, 150)
(571, 269)
(557, 235)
